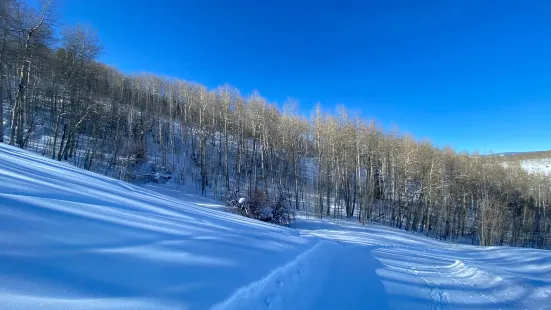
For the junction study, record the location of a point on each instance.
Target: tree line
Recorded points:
(57, 99)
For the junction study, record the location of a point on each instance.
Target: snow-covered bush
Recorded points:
(259, 206)
(233, 198)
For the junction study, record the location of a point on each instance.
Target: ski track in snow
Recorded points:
(70, 239)
(279, 289)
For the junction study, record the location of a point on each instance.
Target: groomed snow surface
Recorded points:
(70, 239)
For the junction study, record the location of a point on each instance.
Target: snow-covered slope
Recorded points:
(538, 166)
(70, 239)
(531, 162)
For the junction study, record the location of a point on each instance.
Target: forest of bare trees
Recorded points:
(58, 100)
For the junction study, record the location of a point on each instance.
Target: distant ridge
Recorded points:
(524, 155)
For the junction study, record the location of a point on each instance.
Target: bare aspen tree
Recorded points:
(32, 33)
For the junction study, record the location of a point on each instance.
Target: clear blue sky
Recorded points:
(469, 74)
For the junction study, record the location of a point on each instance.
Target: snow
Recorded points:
(71, 239)
(76, 240)
(421, 273)
(541, 166)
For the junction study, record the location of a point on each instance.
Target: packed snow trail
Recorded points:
(352, 282)
(329, 276)
(70, 239)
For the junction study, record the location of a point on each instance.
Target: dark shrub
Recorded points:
(258, 206)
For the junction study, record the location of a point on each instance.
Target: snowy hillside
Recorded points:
(531, 162)
(542, 165)
(76, 240)
(72, 239)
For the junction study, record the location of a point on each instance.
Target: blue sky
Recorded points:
(474, 75)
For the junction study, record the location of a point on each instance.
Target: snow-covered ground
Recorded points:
(420, 273)
(542, 165)
(70, 239)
